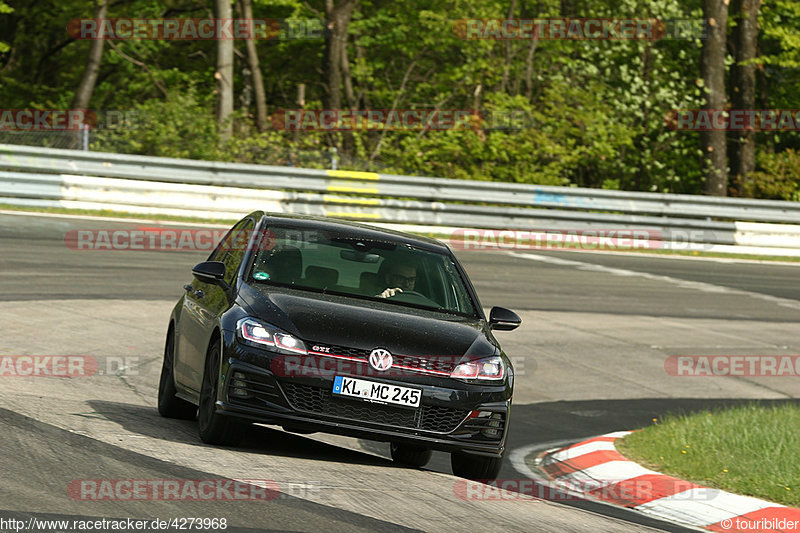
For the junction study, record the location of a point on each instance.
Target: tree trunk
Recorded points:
(224, 75)
(337, 19)
(529, 67)
(529, 58)
(743, 88)
(712, 68)
(83, 94)
(507, 66)
(258, 81)
(361, 55)
(347, 79)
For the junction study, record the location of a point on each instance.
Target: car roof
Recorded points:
(356, 229)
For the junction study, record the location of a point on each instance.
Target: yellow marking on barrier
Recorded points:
(373, 216)
(338, 188)
(354, 174)
(359, 201)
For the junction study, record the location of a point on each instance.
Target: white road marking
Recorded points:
(685, 284)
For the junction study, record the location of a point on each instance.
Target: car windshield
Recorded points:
(341, 264)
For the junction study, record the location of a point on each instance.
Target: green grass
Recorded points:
(441, 236)
(753, 450)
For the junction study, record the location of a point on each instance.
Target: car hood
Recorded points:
(366, 324)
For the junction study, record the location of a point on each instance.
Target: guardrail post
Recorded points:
(85, 137)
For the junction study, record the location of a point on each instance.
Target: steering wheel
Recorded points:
(414, 297)
(411, 293)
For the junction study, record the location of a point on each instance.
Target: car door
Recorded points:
(204, 303)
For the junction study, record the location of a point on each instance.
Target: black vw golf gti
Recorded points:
(316, 324)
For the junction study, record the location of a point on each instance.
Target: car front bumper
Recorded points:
(452, 416)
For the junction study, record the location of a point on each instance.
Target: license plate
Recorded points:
(376, 392)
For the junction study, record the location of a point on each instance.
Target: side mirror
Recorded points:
(210, 272)
(503, 319)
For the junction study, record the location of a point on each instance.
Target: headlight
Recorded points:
(489, 369)
(262, 335)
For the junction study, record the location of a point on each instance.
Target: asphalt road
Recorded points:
(50, 458)
(37, 263)
(589, 357)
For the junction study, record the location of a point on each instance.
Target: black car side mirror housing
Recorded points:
(210, 272)
(503, 319)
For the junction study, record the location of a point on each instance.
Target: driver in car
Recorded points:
(397, 278)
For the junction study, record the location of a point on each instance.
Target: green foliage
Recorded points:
(778, 176)
(184, 127)
(584, 113)
(5, 9)
(779, 21)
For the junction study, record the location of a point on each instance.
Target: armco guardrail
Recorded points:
(39, 176)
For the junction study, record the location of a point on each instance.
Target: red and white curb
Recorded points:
(595, 470)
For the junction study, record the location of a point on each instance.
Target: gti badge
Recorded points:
(380, 359)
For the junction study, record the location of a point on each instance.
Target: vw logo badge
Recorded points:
(380, 359)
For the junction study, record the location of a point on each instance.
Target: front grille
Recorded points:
(446, 363)
(441, 419)
(341, 350)
(441, 364)
(321, 401)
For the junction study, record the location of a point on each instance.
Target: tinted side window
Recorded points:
(233, 258)
(224, 245)
(232, 247)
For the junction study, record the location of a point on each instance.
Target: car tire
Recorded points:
(409, 455)
(215, 428)
(476, 467)
(169, 405)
